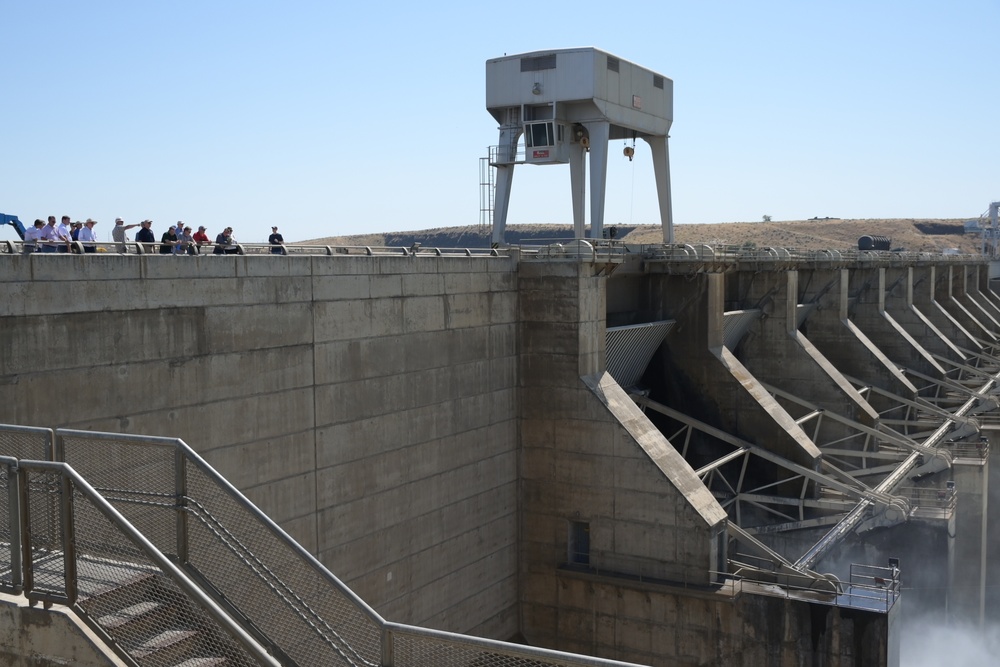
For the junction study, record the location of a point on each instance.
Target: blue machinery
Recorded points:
(12, 220)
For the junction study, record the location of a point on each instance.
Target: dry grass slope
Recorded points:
(910, 234)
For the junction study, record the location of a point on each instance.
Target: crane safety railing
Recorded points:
(279, 593)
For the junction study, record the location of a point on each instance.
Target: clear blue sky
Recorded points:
(334, 118)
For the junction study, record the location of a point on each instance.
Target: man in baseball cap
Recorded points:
(277, 242)
(118, 233)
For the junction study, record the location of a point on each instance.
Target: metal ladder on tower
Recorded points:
(487, 191)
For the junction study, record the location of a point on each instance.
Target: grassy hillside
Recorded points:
(914, 235)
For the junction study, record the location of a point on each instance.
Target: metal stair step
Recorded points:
(105, 597)
(122, 616)
(202, 662)
(162, 642)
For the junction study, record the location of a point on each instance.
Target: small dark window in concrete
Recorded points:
(579, 543)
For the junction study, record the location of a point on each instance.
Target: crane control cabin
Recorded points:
(567, 105)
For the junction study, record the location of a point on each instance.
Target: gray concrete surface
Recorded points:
(442, 434)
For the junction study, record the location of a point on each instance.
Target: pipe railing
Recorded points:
(73, 542)
(153, 249)
(281, 596)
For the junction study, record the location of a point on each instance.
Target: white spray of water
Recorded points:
(926, 644)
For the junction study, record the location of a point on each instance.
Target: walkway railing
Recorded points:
(153, 249)
(864, 586)
(277, 592)
(717, 256)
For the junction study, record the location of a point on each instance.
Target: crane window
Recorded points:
(539, 134)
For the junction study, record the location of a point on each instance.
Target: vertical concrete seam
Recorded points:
(315, 435)
(519, 448)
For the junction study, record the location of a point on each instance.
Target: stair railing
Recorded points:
(254, 573)
(255, 570)
(78, 550)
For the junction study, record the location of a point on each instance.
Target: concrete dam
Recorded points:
(665, 455)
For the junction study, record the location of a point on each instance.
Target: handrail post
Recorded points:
(68, 537)
(388, 660)
(27, 567)
(14, 517)
(180, 503)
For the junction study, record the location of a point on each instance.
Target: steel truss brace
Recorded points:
(856, 516)
(883, 434)
(918, 404)
(986, 401)
(851, 487)
(964, 370)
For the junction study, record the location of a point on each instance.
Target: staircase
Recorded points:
(146, 618)
(173, 567)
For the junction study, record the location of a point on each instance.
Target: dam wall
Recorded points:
(366, 404)
(449, 435)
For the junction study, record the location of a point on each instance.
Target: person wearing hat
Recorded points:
(200, 238)
(118, 233)
(277, 242)
(145, 235)
(87, 236)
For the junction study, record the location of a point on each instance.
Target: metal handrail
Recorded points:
(152, 249)
(722, 254)
(187, 464)
(199, 552)
(77, 484)
(283, 592)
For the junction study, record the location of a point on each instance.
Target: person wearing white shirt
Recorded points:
(32, 235)
(65, 232)
(87, 236)
(49, 235)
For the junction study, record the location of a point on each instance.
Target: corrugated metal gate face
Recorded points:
(735, 325)
(629, 349)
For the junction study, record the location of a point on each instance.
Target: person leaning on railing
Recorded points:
(185, 242)
(32, 235)
(168, 241)
(225, 243)
(48, 239)
(200, 238)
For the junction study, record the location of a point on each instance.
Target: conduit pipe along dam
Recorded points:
(663, 455)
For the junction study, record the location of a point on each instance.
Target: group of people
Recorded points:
(179, 240)
(45, 236)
